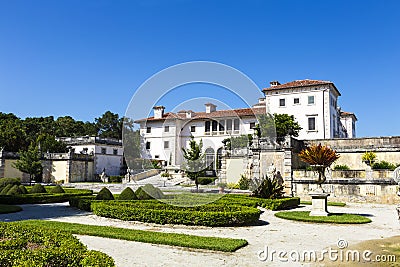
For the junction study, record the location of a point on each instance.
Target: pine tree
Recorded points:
(194, 160)
(29, 162)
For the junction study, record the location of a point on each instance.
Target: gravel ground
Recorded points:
(273, 233)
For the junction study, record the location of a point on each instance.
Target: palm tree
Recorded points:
(320, 157)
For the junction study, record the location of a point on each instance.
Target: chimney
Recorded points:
(158, 112)
(210, 107)
(274, 83)
(189, 114)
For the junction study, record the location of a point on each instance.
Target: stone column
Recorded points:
(222, 174)
(287, 165)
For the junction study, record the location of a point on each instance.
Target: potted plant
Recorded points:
(369, 158)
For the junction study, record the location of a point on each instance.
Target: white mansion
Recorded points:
(312, 102)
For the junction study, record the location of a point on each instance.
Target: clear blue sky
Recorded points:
(81, 58)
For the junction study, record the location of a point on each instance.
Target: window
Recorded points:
(207, 126)
(214, 126)
(282, 102)
(147, 145)
(166, 129)
(166, 144)
(311, 124)
(252, 125)
(192, 129)
(148, 130)
(236, 124)
(157, 156)
(311, 100)
(221, 126)
(229, 125)
(296, 101)
(115, 151)
(103, 150)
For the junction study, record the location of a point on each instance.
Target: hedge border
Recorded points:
(161, 213)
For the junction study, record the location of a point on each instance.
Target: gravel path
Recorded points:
(277, 234)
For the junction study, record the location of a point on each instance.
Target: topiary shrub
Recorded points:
(14, 190)
(206, 180)
(96, 258)
(57, 189)
(23, 189)
(104, 194)
(127, 194)
(5, 189)
(6, 181)
(148, 191)
(38, 189)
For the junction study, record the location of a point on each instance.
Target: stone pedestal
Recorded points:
(319, 205)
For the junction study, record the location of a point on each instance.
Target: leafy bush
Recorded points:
(232, 186)
(165, 174)
(161, 213)
(23, 189)
(206, 180)
(244, 182)
(37, 189)
(269, 188)
(96, 258)
(369, 157)
(57, 189)
(44, 197)
(104, 194)
(6, 189)
(34, 246)
(14, 190)
(343, 167)
(127, 194)
(82, 202)
(115, 179)
(383, 165)
(12, 181)
(148, 191)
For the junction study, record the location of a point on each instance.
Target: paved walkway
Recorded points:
(273, 233)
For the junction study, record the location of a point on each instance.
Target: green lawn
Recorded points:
(9, 208)
(172, 239)
(341, 218)
(337, 204)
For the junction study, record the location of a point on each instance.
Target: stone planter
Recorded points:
(319, 203)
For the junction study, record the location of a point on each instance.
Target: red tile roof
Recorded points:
(298, 83)
(347, 114)
(215, 114)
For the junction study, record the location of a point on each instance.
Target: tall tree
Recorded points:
(194, 160)
(13, 136)
(48, 143)
(29, 162)
(279, 124)
(109, 125)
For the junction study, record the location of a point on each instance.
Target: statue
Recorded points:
(103, 176)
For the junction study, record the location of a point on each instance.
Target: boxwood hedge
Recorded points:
(44, 197)
(161, 213)
(32, 246)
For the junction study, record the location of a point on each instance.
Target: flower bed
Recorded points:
(34, 246)
(161, 213)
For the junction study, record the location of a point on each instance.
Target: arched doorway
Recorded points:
(210, 158)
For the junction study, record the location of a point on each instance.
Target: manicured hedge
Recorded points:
(161, 213)
(44, 197)
(271, 204)
(33, 246)
(82, 202)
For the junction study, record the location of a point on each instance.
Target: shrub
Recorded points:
(104, 194)
(206, 180)
(269, 188)
(383, 165)
(115, 179)
(343, 167)
(96, 258)
(57, 189)
(161, 213)
(44, 198)
(244, 183)
(165, 174)
(34, 246)
(148, 191)
(6, 181)
(23, 189)
(369, 157)
(232, 186)
(82, 202)
(127, 194)
(37, 189)
(14, 190)
(5, 189)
